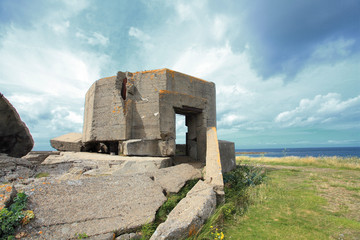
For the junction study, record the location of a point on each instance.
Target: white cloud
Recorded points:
(202, 62)
(321, 109)
(93, 39)
(333, 49)
(60, 28)
(220, 27)
(231, 120)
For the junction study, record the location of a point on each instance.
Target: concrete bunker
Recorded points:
(134, 114)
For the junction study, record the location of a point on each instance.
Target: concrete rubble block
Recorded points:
(84, 165)
(68, 142)
(143, 164)
(15, 137)
(95, 206)
(227, 155)
(189, 214)
(143, 147)
(172, 179)
(213, 170)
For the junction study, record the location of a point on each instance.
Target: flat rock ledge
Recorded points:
(96, 206)
(189, 215)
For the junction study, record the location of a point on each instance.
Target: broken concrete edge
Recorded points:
(189, 215)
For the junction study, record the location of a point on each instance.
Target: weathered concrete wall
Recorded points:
(107, 115)
(15, 137)
(227, 156)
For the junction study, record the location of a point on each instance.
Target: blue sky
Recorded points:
(287, 73)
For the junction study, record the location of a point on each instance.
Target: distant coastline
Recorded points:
(300, 152)
(245, 153)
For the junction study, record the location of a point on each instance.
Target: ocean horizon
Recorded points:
(300, 152)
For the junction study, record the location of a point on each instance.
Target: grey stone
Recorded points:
(94, 206)
(140, 147)
(172, 179)
(37, 157)
(68, 142)
(106, 236)
(189, 215)
(12, 168)
(85, 164)
(15, 137)
(227, 156)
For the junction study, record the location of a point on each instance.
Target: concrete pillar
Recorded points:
(213, 173)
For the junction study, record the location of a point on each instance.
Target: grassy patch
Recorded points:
(172, 200)
(316, 202)
(348, 163)
(293, 208)
(42, 174)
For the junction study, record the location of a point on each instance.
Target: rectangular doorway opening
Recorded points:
(181, 130)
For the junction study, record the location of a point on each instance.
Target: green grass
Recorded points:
(291, 209)
(347, 163)
(42, 174)
(305, 202)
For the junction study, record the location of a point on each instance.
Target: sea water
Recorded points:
(300, 152)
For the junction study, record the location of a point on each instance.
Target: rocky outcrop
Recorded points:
(15, 138)
(14, 168)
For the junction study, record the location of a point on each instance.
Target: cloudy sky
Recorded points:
(287, 73)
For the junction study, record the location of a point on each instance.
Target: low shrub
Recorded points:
(236, 184)
(12, 217)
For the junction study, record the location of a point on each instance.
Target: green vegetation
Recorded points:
(12, 217)
(172, 200)
(294, 202)
(350, 163)
(81, 235)
(237, 184)
(42, 174)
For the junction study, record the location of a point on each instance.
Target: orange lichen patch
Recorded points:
(167, 92)
(40, 232)
(106, 78)
(117, 109)
(8, 188)
(152, 71)
(172, 72)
